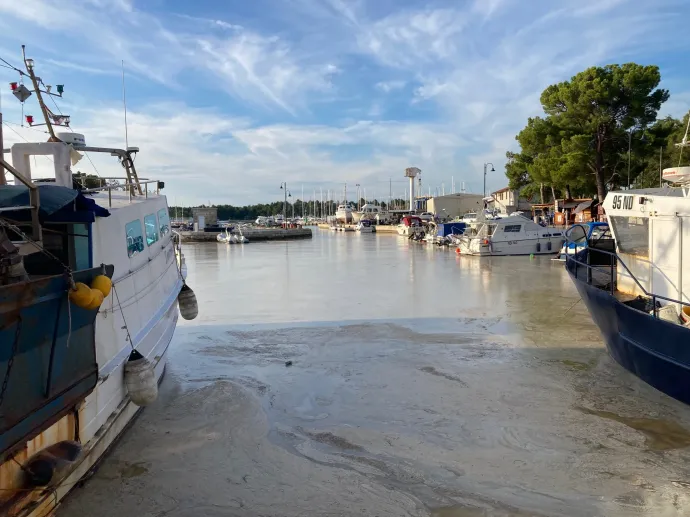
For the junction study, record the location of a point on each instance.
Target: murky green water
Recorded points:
(422, 383)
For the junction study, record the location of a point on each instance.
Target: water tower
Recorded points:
(412, 173)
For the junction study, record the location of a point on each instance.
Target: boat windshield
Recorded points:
(600, 232)
(632, 234)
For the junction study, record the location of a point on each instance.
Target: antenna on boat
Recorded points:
(124, 104)
(50, 117)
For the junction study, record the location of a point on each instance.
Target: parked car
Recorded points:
(426, 216)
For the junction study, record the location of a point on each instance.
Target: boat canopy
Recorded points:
(57, 204)
(411, 220)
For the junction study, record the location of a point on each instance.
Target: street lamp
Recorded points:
(642, 139)
(492, 170)
(286, 192)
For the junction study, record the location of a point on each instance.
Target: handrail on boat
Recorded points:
(127, 186)
(573, 259)
(34, 200)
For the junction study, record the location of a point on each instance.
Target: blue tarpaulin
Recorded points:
(445, 229)
(56, 204)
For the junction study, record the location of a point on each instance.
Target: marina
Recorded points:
(350, 311)
(468, 386)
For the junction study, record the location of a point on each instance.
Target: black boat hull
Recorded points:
(657, 351)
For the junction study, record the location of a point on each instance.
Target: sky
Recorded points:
(227, 99)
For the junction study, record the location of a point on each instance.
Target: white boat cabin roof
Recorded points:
(529, 225)
(117, 199)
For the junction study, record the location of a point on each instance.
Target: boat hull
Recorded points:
(483, 247)
(654, 350)
(117, 423)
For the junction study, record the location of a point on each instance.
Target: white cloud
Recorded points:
(251, 64)
(301, 73)
(389, 86)
(410, 39)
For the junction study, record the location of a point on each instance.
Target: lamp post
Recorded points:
(642, 139)
(283, 187)
(492, 170)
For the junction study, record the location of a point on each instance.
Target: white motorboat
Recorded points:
(411, 225)
(224, 237)
(431, 234)
(365, 226)
(515, 235)
(229, 237)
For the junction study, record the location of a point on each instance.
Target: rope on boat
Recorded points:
(126, 327)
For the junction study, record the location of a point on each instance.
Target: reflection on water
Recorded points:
(421, 383)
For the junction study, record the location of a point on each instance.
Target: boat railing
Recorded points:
(129, 186)
(574, 264)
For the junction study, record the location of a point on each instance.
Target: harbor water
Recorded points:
(368, 375)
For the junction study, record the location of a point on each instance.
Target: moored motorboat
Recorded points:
(365, 226)
(513, 235)
(411, 225)
(591, 231)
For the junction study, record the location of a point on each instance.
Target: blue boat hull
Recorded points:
(655, 350)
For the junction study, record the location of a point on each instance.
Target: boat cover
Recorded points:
(57, 204)
(445, 229)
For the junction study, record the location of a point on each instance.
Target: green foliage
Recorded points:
(659, 151)
(87, 181)
(582, 142)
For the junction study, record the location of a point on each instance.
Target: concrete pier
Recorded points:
(254, 235)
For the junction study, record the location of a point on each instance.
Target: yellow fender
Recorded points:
(103, 284)
(81, 295)
(96, 301)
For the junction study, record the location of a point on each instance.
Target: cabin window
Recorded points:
(82, 252)
(135, 239)
(512, 228)
(632, 234)
(163, 221)
(600, 232)
(151, 227)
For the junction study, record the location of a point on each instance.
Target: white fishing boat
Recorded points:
(637, 288)
(514, 235)
(344, 214)
(101, 271)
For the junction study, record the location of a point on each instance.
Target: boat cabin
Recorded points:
(411, 220)
(370, 211)
(652, 232)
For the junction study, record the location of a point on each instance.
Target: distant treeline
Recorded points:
(296, 209)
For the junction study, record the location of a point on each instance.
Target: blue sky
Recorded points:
(228, 98)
